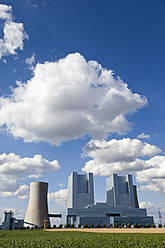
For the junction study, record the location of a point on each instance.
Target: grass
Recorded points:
(41, 238)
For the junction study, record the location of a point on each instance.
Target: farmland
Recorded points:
(41, 238)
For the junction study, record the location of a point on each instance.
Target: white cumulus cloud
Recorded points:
(59, 197)
(13, 166)
(117, 156)
(143, 136)
(127, 156)
(31, 60)
(68, 99)
(14, 169)
(14, 33)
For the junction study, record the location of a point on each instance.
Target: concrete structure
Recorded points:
(80, 190)
(11, 223)
(121, 205)
(37, 211)
(121, 191)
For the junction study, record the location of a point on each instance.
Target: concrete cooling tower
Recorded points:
(37, 211)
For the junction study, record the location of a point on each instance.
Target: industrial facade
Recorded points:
(121, 205)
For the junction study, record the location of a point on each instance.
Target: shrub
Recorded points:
(79, 225)
(160, 226)
(20, 227)
(135, 225)
(116, 225)
(28, 227)
(54, 226)
(67, 225)
(139, 225)
(35, 227)
(92, 225)
(85, 225)
(153, 225)
(60, 226)
(48, 227)
(110, 225)
(147, 225)
(122, 224)
(104, 225)
(72, 225)
(128, 225)
(98, 225)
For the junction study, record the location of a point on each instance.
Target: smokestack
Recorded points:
(37, 211)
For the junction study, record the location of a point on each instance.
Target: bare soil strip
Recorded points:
(111, 230)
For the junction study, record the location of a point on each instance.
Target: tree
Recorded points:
(147, 225)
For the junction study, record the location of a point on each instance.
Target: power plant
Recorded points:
(37, 211)
(121, 205)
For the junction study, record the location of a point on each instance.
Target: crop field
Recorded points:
(41, 238)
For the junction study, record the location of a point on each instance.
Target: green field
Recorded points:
(41, 238)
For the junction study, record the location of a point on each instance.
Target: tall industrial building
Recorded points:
(121, 191)
(37, 211)
(121, 205)
(80, 190)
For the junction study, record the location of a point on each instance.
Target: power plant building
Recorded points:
(121, 204)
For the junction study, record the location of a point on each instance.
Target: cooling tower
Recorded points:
(37, 211)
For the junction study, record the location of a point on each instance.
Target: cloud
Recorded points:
(143, 136)
(153, 176)
(68, 99)
(31, 60)
(59, 197)
(22, 192)
(5, 12)
(10, 187)
(14, 33)
(127, 156)
(117, 156)
(152, 209)
(14, 167)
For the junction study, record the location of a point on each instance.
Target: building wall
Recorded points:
(80, 190)
(120, 191)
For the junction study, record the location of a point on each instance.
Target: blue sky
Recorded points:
(81, 86)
